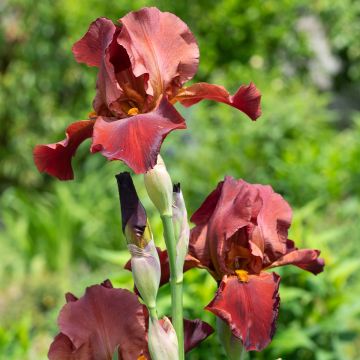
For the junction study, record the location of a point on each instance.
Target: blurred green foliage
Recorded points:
(56, 237)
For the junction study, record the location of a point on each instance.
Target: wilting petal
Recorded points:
(247, 98)
(273, 220)
(160, 44)
(63, 349)
(195, 331)
(136, 140)
(91, 47)
(249, 308)
(55, 159)
(103, 319)
(306, 259)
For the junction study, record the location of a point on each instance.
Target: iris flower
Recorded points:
(241, 232)
(106, 320)
(143, 63)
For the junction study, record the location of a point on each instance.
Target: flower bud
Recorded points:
(233, 346)
(163, 343)
(159, 187)
(181, 228)
(145, 265)
(134, 220)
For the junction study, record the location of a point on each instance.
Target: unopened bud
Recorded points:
(181, 228)
(163, 343)
(134, 220)
(146, 272)
(159, 187)
(232, 345)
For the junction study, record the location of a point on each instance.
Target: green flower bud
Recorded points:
(159, 187)
(145, 267)
(163, 343)
(181, 228)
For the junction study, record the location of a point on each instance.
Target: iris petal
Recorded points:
(55, 159)
(249, 308)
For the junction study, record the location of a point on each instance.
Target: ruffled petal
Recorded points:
(103, 319)
(273, 220)
(136, 140)
(306, 259)
(195, 331)
(249, 308)
(63, 349)
(246, 99)
(161, 45)
(55, 159)
(91, 47)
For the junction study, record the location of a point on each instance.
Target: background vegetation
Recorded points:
(55, 236)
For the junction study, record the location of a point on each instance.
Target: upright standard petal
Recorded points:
(55, 159)
(102, 320)
(273, 220)
(137, 139)
(91, 47)
(161, 45)
(249, 308)
(246, 99)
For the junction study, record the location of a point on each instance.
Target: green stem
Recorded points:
(153, 313)
(176, 283)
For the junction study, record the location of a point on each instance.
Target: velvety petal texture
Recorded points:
(161, 45)
(246, 99)
(55, 159)
(98, 322)
(249, 308)
(137, 139)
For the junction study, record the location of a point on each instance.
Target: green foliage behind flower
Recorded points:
(58, 236)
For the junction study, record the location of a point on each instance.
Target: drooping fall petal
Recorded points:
(103, 319)
(306, 259)
(160, 44)
(195, 331)
(137, 139)
(246, 99)
(55, 159)
(249, 308)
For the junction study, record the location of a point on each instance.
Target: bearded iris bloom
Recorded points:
(241, 232)
(143, 63)
(107, 320)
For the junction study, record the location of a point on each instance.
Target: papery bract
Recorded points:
(143, 62)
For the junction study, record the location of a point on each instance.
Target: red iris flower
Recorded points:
(143, 64)
(106, 320)
(241, 231)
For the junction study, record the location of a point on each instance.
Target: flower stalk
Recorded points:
(176, 283)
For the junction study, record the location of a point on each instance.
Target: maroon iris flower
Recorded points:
(143, 64)
(106, 320)
(241, 231)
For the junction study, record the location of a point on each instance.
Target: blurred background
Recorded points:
(63, 236)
